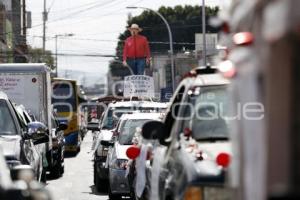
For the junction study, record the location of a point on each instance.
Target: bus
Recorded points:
(65, 104)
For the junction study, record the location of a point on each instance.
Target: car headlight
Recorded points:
(193, 193)
(119, 164)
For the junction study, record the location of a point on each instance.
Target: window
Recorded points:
(7, 125)
(207, 113)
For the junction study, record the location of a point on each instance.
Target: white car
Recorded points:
(108, 123)
(127, 131)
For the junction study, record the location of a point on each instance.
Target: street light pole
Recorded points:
(170, 41)
(44, 27)
(56, 53)
(56, 71)
(203, 33)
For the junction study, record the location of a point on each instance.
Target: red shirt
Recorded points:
(136, 47)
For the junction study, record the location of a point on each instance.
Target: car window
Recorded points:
(129, 129)
(206, 113)
(7, 125)
(173, 110)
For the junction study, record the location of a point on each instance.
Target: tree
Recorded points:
(184, 23)
(36, 56)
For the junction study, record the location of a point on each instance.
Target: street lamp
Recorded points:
(204, 33)
(170, 38)
(56, 36)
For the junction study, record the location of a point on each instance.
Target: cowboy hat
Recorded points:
(135, 26)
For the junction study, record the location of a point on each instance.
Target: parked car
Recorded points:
(14, 186)
(107, 125)
(125, 135)
(19, 139)
(58, 145)
(194, 137)
(57, 165)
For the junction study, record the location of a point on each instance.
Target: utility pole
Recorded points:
(45, 16)
(203, 33)
(24, 19)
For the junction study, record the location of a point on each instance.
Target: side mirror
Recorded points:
(155, 130)
(62, 126)
(106, 143)
(38, 132)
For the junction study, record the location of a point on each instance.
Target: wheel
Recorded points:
(44, 176)
(100, 184)
(113, 196)
(56, 170)
(62, 167)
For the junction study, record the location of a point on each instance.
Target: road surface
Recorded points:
(77, 181)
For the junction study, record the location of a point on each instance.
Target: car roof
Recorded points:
(210, 79)
(146, 104)
(17, 67)
(3, 96)
(154, 116)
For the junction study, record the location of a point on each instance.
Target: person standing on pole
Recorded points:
(136, 51)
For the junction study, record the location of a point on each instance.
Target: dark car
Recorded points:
(56, 167)
(58, 145)
(19, 139)
(194, 137)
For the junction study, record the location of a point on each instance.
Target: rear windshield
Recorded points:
(128, 130)
(206, 113)
(114, 113)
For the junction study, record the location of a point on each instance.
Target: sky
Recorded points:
(95, 25)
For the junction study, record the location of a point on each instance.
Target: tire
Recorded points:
(44, 176)
(100, 184)
(62, 167)
(56, 170)
(113, 196)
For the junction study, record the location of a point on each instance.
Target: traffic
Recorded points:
(225, 127)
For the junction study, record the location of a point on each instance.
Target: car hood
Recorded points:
(121, 150)
(11, 146)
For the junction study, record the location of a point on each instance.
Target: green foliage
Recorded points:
(36, 56)
(184, 23)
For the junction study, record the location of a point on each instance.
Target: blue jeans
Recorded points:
(137, 65)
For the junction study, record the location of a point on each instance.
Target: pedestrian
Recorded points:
(136, 51)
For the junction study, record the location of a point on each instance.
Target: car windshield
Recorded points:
(207, 112)
(128, 130)
(7, 126)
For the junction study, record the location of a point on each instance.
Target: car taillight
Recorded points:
(223, 159)
(133, 152)
(227, 69)
(225, 28)
(187, 132)
(243, 38)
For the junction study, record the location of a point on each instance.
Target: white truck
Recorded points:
(30, 85)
